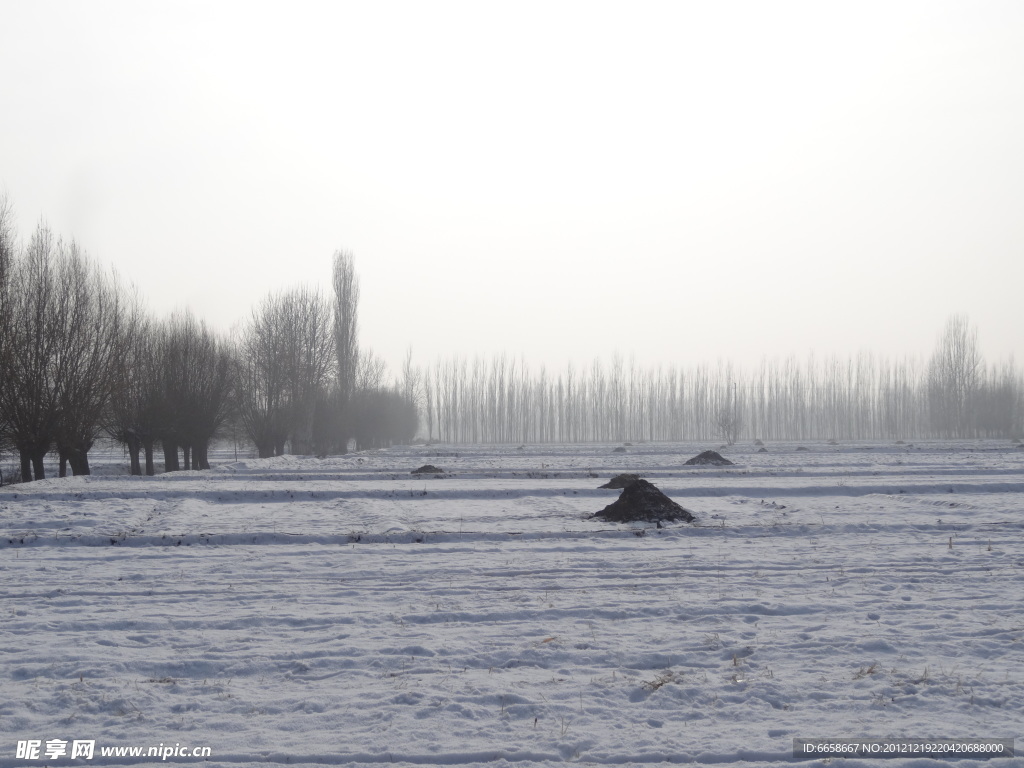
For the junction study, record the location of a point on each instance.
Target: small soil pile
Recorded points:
(427, 469)
(762, 450)
(640, 501)
(712, 458)
(621, 481)
(620, 449)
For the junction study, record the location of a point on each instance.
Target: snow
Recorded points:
(341, 611)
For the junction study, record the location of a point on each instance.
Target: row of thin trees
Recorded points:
(953, 394)
(81, 359)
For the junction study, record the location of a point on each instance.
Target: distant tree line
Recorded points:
(953, 394)
(80, 359)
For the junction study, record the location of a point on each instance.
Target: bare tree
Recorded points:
(428, 403)
(27, 340)
(310, 362)
(729, 425)
(334, 417)
(196, 384)
(371, 371)
(8, 249)
(135, 417)
(286, 358)
(261, 392)
(953, 377)
(346, 321)
(63, 339)
(412, 380)
(99, 325)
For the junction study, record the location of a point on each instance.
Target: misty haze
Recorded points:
(481, 384)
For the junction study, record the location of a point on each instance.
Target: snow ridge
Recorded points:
(847, 593)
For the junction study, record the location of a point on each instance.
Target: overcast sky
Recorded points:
(680, 181)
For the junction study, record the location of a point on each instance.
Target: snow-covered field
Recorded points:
(343, 611)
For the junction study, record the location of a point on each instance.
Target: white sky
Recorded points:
(681, 181)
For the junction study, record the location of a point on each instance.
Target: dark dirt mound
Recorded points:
(621, 481)
(758, 442)
(762, 450)
(801, 448)
(620, 449)
(642, 502)
(427, 469)
(713, 458)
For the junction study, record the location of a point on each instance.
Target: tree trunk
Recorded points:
(186, 456)
(79, 460)
(37, 465)
(26, 466)
(147, 446)
(63, 471)
(133, 443)
(170, 456)
(200, 458)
